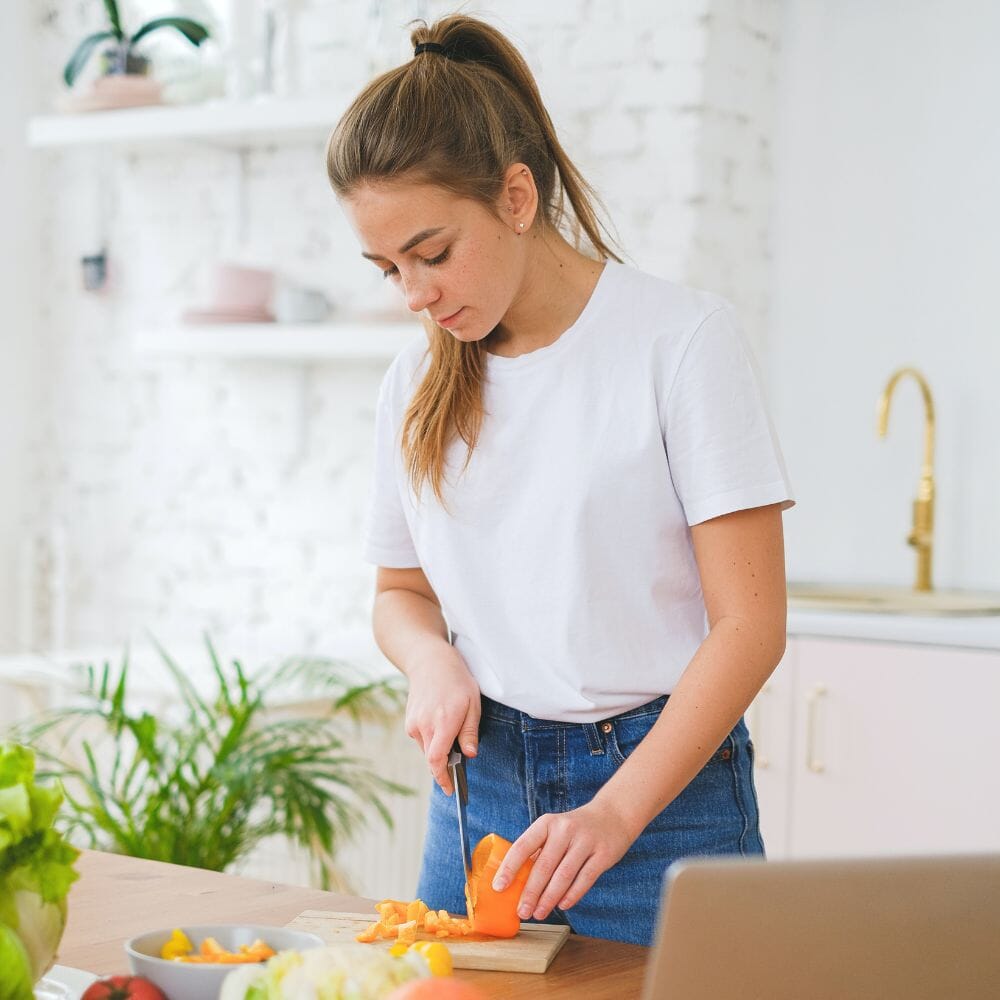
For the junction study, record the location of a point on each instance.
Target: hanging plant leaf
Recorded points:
(79, 58)
(194, 32)
(111, 6)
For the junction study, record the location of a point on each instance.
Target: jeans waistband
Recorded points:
(512, 716)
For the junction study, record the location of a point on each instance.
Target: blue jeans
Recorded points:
(527, 767)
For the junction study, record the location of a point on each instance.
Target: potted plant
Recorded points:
(120, 57)
(265, 755)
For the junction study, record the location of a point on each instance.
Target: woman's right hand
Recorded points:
(442, 704)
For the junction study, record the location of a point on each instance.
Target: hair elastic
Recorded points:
(428, 47)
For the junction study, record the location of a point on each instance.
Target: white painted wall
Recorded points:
(887, 237)
(20, 409)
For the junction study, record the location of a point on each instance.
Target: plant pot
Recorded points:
(113, 91)
(118, 60)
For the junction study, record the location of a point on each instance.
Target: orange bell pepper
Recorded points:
(492, 912)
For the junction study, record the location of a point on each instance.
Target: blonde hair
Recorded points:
(458, 117)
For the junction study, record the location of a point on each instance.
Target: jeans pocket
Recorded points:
(626, 734)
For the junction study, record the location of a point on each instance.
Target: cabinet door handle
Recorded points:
(761, 758)
(813, 763)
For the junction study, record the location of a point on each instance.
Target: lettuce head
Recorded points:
(337, 972)
(36, 871)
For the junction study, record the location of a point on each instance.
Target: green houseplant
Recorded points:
(265, 755)
(121, 56)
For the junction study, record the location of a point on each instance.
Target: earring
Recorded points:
(520, 226)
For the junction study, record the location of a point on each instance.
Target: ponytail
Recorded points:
(457, 115)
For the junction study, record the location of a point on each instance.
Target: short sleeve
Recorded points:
(721, 445)
(386, 539)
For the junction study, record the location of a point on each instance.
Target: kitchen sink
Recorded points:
(890, 600)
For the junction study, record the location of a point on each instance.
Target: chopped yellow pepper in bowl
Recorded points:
(179, 948)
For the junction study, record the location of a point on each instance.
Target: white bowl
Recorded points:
(197, 981)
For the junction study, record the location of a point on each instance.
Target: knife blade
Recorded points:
(456, 765)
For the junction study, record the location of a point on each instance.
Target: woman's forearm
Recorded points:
(442, 702)
(717, 686)
(405, 623)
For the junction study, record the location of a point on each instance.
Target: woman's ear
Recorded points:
(519, 198)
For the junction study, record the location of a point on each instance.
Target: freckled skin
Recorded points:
(484, 269)
(506, 273)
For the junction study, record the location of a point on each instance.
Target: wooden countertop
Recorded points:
(117, 897)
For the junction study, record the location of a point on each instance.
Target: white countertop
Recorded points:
(966, 631)
(971, 631)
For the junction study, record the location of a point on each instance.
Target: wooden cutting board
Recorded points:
(531, 951)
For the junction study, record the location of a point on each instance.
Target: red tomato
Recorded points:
(123, 988)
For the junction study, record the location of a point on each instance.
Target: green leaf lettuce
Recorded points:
(36, 871)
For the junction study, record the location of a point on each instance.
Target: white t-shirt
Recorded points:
(564, 563)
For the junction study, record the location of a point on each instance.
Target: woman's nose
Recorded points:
(420, 292)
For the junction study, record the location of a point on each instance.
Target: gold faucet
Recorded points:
(921, 537)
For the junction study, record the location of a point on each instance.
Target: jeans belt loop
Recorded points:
(593, 739)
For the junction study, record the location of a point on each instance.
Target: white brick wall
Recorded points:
(190, 495)
(731, 249)
(228, 496)
(20, 382)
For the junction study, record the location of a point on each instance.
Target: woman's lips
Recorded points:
(445, 321)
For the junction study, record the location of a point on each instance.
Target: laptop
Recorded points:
(911, 928)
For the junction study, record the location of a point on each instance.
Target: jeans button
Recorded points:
(606, 727)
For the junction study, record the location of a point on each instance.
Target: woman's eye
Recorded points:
(440, 258)
(392, 270)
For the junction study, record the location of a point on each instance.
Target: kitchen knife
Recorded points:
(456, 765)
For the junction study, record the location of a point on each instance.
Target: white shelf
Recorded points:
(340, 341)
(223, 123)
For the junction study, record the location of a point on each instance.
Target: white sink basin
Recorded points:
(890, 600)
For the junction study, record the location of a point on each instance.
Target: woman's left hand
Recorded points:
(571, 851)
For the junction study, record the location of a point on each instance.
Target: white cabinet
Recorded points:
(769, 721)
(867, 748)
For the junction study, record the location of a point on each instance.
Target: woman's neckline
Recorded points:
(498, 363)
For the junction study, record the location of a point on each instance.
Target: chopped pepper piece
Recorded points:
(489, 912)
(178, 944)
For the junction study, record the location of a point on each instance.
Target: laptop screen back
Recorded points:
(881, 928)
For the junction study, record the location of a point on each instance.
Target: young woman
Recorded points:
(577, 501)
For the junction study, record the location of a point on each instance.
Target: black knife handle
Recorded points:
(456, 763)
